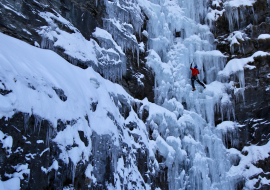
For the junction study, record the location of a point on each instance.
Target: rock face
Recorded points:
(255, 103)
(252, 109)
(36, 157)
(23, 21)
(33, 150)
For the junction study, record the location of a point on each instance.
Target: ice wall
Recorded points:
(171, 65)
(201, 162)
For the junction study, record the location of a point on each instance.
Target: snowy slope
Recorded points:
(32, 75)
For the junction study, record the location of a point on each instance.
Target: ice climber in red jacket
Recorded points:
(194, 77)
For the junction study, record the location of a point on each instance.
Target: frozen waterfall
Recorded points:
(195, 153)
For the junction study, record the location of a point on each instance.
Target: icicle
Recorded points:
(241, 78)
(73, 172)
(138, 56)
(46, 43)
(48, 136)
(232, 16)
(37, 123)
(155, 90)
(255, 15)
(26, 121)
(242, 92)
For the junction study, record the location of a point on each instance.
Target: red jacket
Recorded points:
(194, 71)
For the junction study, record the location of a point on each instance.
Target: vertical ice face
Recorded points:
(171, 57)
(197, 158)
(195, 9)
